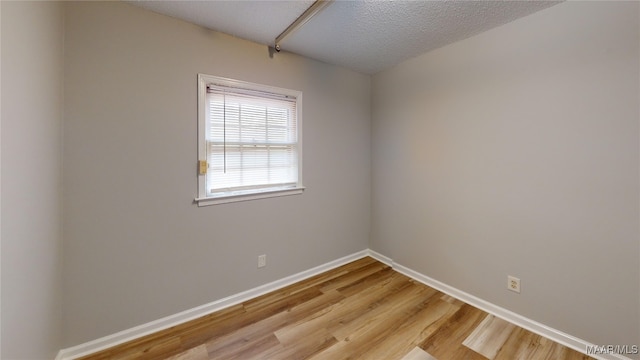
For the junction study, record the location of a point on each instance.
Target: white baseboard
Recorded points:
(182, 317)
(519, 320)
(383, 259)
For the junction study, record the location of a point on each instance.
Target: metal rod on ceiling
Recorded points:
(301, 20)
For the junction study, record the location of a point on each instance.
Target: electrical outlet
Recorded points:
(513, 284)
(262, 261)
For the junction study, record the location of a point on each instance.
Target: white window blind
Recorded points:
(251, 141)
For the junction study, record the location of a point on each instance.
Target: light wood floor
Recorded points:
(362, 310)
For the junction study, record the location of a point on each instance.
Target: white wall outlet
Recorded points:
(262, 260)
(513, 284)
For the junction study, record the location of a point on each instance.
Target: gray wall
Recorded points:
(516, 152)
(136, 247)
(32, 44)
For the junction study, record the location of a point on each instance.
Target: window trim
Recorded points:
(202, 199)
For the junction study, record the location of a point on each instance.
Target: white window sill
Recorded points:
(207, 201)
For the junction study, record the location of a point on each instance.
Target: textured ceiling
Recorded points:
(366, 36)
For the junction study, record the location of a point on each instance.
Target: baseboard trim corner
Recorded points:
(383, 259)
(194, 313)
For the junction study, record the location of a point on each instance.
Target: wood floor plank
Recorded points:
(150, 350)
(197, 353)
(242, 337)
(525, 345)
(343, 312)
(418, 354)
(452, 300)
(362, 310)
(395, 308)
(489, 336)
(361, 334)
(252, 335)
(446, 343)
(303, 348)
(415, 329)
(203, 334)
(379, 278)
(292, 293)
(354, 276)
(244, 349)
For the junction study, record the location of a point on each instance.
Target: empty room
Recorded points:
(410, 180)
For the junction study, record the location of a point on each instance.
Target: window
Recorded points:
(249, 141)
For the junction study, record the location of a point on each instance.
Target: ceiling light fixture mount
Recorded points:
(316, 7)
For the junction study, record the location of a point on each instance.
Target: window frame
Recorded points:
(205, 200)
